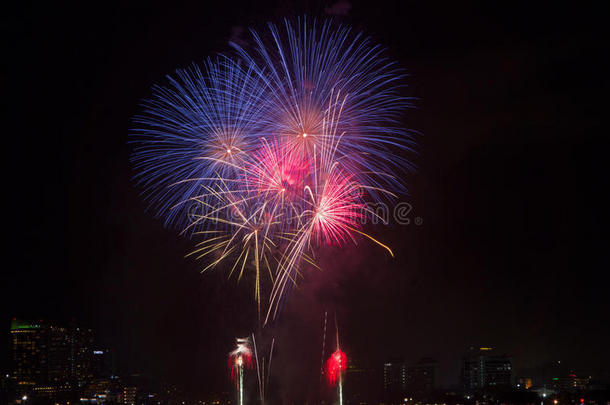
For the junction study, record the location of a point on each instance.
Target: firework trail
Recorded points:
(323, 346)
(241, 233)
(264, 374)
(336, 365)
(267, 157)
(239, 359)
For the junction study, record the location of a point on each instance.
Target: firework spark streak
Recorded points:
(336, 365)
(273, 154)
(239, 359)
(263, 379)
(203, 117)
(302, 65)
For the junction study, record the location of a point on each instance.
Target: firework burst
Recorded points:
(199, 126)
(270, 157)
(304, 65)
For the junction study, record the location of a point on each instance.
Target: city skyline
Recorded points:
(48, 357)
(503, 243)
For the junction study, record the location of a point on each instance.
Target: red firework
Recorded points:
(240, 357)
(335, 366)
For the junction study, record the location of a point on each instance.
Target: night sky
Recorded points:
(511, 171)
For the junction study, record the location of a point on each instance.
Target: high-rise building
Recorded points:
(483, 369)
(422, 377)
(50, 357)
(28, 354)
(58, 355)
(395, 377)
(103, 363)
(361, 384)
(81, 355)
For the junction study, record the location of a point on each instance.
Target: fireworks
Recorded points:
(272, 155)
(240, 358)
(195, 129)
(335, 367)
(304, 66)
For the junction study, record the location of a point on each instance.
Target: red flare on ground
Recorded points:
(241, 356)
(335, 366)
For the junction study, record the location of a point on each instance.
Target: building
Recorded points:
(28, 353)
(58, 391)
(498, 371)
(422, 378)
(129, 395)
(103, 363)
(570, 382)
(395, 378)
(81, 355)
(58, 344)
(482, 368)
(103, 391)
(48, 360)
(524, 383)
(361, 384)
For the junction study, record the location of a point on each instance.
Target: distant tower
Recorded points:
(28, 352)
(395, 378)
(482, 369)
(103, 363)
(422, 378)
(58, 354)
(81, 355)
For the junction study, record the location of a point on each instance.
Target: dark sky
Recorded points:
(511, 172)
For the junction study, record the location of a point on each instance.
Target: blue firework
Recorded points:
(311, 69)
(198, 127)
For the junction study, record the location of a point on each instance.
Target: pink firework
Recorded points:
(336, 207)
(335, 367)
(277, 172)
